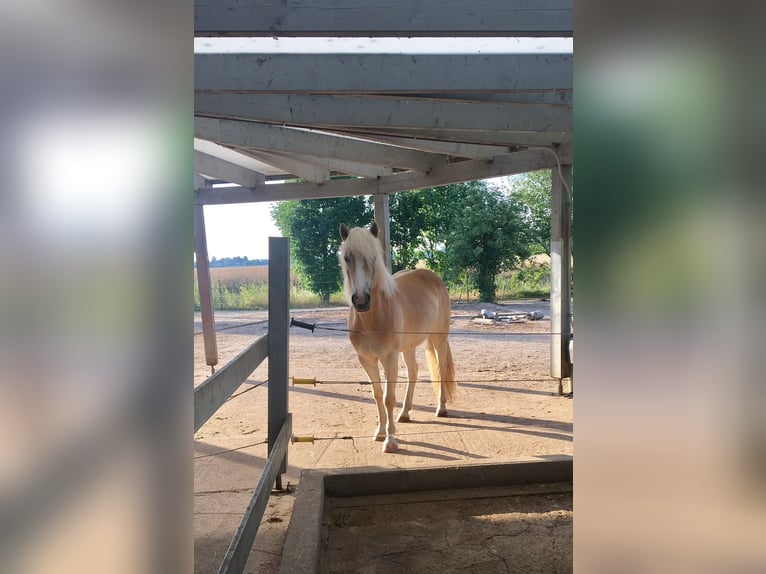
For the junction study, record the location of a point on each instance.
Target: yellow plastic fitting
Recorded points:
(297, 381)
(295, 439)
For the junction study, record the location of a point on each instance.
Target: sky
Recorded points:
(239, 230)
(243, 229)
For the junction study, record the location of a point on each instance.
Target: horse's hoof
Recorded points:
(441, 412)
(403, 419)
(390, 445)
(379, 437)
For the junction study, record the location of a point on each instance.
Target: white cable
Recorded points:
(558, 163)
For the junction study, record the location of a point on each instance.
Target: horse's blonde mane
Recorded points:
(367, 247)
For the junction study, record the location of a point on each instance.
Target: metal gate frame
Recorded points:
(215, 391)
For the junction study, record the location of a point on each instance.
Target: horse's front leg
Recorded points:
(391, 368)
(370, 366)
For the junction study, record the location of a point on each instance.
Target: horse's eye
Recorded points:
(347, 259)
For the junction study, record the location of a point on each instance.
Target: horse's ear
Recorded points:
(374, 229)
(343, 232)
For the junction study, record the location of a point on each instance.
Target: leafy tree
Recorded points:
(444, 206)
(419, 223)
(462, 231)
(312, 226)
(533, 190)
(408, 220)
(487, 236)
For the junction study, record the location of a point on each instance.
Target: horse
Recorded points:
(392, 314)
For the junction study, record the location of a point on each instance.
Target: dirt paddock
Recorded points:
(507, 409)
(452, 531)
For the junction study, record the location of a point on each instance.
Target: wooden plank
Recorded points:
(204, 283)
(380, 73)
(518, 162)
(477, 137)
(470, 151)
(327, 164)
(239, 550)
(358, 18)
(345, 166)
(359, 112)
(271, 138)
(234, 156)
(288, 191)
(469, 170)
(304, 170)
(548, 97)
(224, 170)
(210, 395)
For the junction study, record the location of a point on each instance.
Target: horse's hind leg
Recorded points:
(434, 354)
(412, 376)
(370, 366)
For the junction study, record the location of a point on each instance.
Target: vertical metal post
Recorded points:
(561, 254)
(203, 280)
(279, 324)
(383, 219)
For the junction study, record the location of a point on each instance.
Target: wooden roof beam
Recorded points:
(217, 168)
(274, 138)
(359, 18)
(469, 170)
(328, 112)
(380, 73)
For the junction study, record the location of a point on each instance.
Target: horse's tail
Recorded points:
(441, 367)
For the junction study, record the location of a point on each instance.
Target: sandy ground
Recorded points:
(507, 409)
(491, 531)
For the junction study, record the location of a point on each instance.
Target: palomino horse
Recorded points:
(391, 315)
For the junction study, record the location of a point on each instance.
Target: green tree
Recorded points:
(312, 226)
(444, 208)
(486, 237)
(533, 190)
(408, 220)
(420, 221)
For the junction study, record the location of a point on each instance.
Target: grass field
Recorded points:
(242, 288)
(232, 276)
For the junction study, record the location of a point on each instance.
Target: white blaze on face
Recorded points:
(358, 279)
(361, 283)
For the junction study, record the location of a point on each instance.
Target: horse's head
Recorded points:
(361, 258)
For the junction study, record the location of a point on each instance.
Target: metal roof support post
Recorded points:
(561, 255)
(383, 219)
(203, 280)
(279, 320)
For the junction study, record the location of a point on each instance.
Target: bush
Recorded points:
(533, 280)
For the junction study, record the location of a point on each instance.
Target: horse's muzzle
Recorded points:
(363, 305)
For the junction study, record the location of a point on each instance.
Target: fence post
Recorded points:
(561, 253)
(383, 219)
(279, 321)
(203, 280)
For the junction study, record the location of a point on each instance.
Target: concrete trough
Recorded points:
(303, 544)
